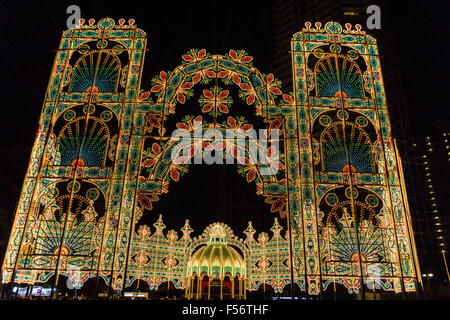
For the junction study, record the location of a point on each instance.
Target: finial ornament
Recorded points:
(107, 24)
(332, 27)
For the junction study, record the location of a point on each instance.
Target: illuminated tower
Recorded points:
(350, 167)
(69, 212)
(103, 156)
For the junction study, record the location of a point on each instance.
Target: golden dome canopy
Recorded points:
(216, 259)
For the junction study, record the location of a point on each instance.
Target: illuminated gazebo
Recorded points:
(216, 269)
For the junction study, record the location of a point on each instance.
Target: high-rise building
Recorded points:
(429, 202)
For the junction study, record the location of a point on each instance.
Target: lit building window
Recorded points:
(350, 13)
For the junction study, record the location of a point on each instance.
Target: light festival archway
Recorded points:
(330, 163)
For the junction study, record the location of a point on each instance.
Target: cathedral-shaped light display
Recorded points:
(102, 158)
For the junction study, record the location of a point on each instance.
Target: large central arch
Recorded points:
(172, 89)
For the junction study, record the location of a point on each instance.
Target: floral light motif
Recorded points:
(159, 83)
(240, 56)
(273, 84)
(215, 101)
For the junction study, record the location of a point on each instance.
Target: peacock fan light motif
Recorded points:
(338, 77)
(75, 218)
(335, 143)
(87, 76)
(85, 140)
(341, 245)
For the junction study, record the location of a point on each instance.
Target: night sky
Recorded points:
(417, 61)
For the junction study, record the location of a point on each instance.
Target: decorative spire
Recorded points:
(186, 230)
(159, 225)
(249, 232)
(217, 235)
(276, 228)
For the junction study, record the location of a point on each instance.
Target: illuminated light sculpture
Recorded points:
(220, 264)
(102, 157)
